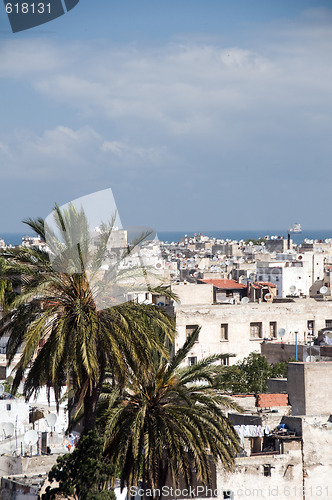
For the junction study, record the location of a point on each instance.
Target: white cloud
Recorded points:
(66, 152)
(184, 88)
(254, 117)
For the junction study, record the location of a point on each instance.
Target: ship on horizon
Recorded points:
(295, 228)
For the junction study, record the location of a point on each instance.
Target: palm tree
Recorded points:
(66, 338)
(169, 423)
(5, 287)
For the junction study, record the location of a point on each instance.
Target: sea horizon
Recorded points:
(15, 238)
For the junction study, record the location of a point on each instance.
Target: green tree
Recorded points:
(170, 422)
(250, 375)
(83, 474)
(6, 289)
(67, 340)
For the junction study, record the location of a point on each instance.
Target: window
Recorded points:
(311, 326)
(9, 407)
(328, 323)
(192, 360)
(273, 329)
(224, 362)
(190, 329)
(267, 470)
(256, 445)
(224, 331)
(255, 330)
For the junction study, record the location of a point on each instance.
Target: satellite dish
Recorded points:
(323, 289)
(244, 300)
(281, 332)
(8, 428)
(292, 289)
(2, 389)
(310, 359)
(30, 438)
(268, 297)
(51, 419)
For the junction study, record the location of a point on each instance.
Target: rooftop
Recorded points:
(225, 284)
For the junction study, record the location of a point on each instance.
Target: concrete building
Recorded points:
(240, 328)
(301, 274)
(289, 456)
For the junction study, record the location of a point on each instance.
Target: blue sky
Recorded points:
(198, 114)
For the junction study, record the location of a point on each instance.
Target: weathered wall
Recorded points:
(317, 457)
(247, 480)
(310, 388)
(38, 464)
(26, 465)
(295, 387)
(10, 465)
(194, 294)
(277, 385)
(291, 316)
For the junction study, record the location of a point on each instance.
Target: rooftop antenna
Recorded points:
(8, 428)
(51, 419)
(30, 438)
(281, 333)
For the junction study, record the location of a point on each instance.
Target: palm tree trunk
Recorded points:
(90, 404)
(163, 471)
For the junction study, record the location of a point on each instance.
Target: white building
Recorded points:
(302, 274)
(240, 328)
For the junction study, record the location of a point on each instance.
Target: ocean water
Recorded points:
(312, 234)
(13, 238)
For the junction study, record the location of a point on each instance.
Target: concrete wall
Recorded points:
(41, 464)
(15, 412)
(317, 457)
(247, 479)
(277, 385)
(310, 388)
(194, 294)
(303, 471)
(293, 316)
(275, 352)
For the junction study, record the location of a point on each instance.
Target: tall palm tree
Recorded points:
(66, 339)
(169, 423)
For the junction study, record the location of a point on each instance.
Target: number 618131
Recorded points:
(28, 8)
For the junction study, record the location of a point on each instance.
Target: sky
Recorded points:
(198, 114)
